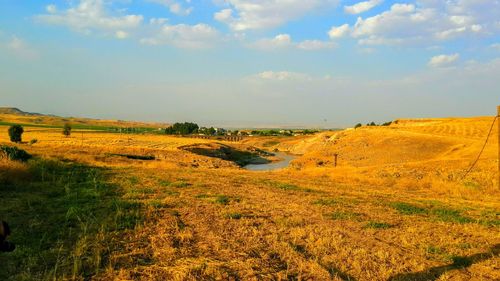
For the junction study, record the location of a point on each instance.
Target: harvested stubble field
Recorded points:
(395, 207)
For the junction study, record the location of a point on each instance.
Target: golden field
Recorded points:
(396, 207)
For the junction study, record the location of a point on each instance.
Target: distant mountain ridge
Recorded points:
(18, 116)
(17, 111)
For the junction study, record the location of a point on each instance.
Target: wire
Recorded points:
(482, 149)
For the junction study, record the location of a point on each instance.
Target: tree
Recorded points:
(67, 130)
(211, 131)
(358, 125)
(15, 133)
(185, 128)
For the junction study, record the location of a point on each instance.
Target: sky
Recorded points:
(251, 63)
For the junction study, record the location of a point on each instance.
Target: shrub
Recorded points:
(33, 141)
(14, 153)
(15, 133)
(67, 130)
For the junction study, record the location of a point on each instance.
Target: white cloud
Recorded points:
(225, 16)
(197, 36)
(443, 60)
(174, 6)
(261, 14)
(51, 9)
(21, 49)
(314, 45)
(88, 16)
(495, 46)
(158, 21)
(339, 31)
(362, 7)
(428, 22)
(120, 34)
(281, 76)
(278, 42)
(283, 41)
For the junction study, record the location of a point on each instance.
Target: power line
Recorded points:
(482, 149)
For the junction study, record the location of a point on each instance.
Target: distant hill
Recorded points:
(17, 111)
(12, 115)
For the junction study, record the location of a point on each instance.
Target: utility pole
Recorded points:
(498, 121)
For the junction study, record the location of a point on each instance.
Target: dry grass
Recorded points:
(60, 121)
(394, 209)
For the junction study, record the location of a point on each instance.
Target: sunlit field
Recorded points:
(396, 207)
(259, 140)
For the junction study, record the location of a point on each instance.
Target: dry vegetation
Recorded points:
(395, 208)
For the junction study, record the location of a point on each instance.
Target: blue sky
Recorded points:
(327, 63)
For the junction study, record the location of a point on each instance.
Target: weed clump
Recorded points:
(222, 199)
(234, 216)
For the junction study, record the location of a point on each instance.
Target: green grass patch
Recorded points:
(164, 183)
(377, 225)
(158, 204)
(438, 211)
(219, 198)
(472, 184)
(450, 215)
(289, 187)
(222, 199)
(63, 221)
(270, 143)
(180, 184)
(169, 192)
(133, 180)
(433, 250)
(146, 190)
(408, 209)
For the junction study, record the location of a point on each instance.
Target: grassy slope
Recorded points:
(202, 218)
(77, 123)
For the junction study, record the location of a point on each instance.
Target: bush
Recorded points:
(14, 153)
(33, 141)
(67, 130)
(358, 125)
(15, 133)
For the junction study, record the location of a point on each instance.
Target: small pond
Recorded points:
(283, 163)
